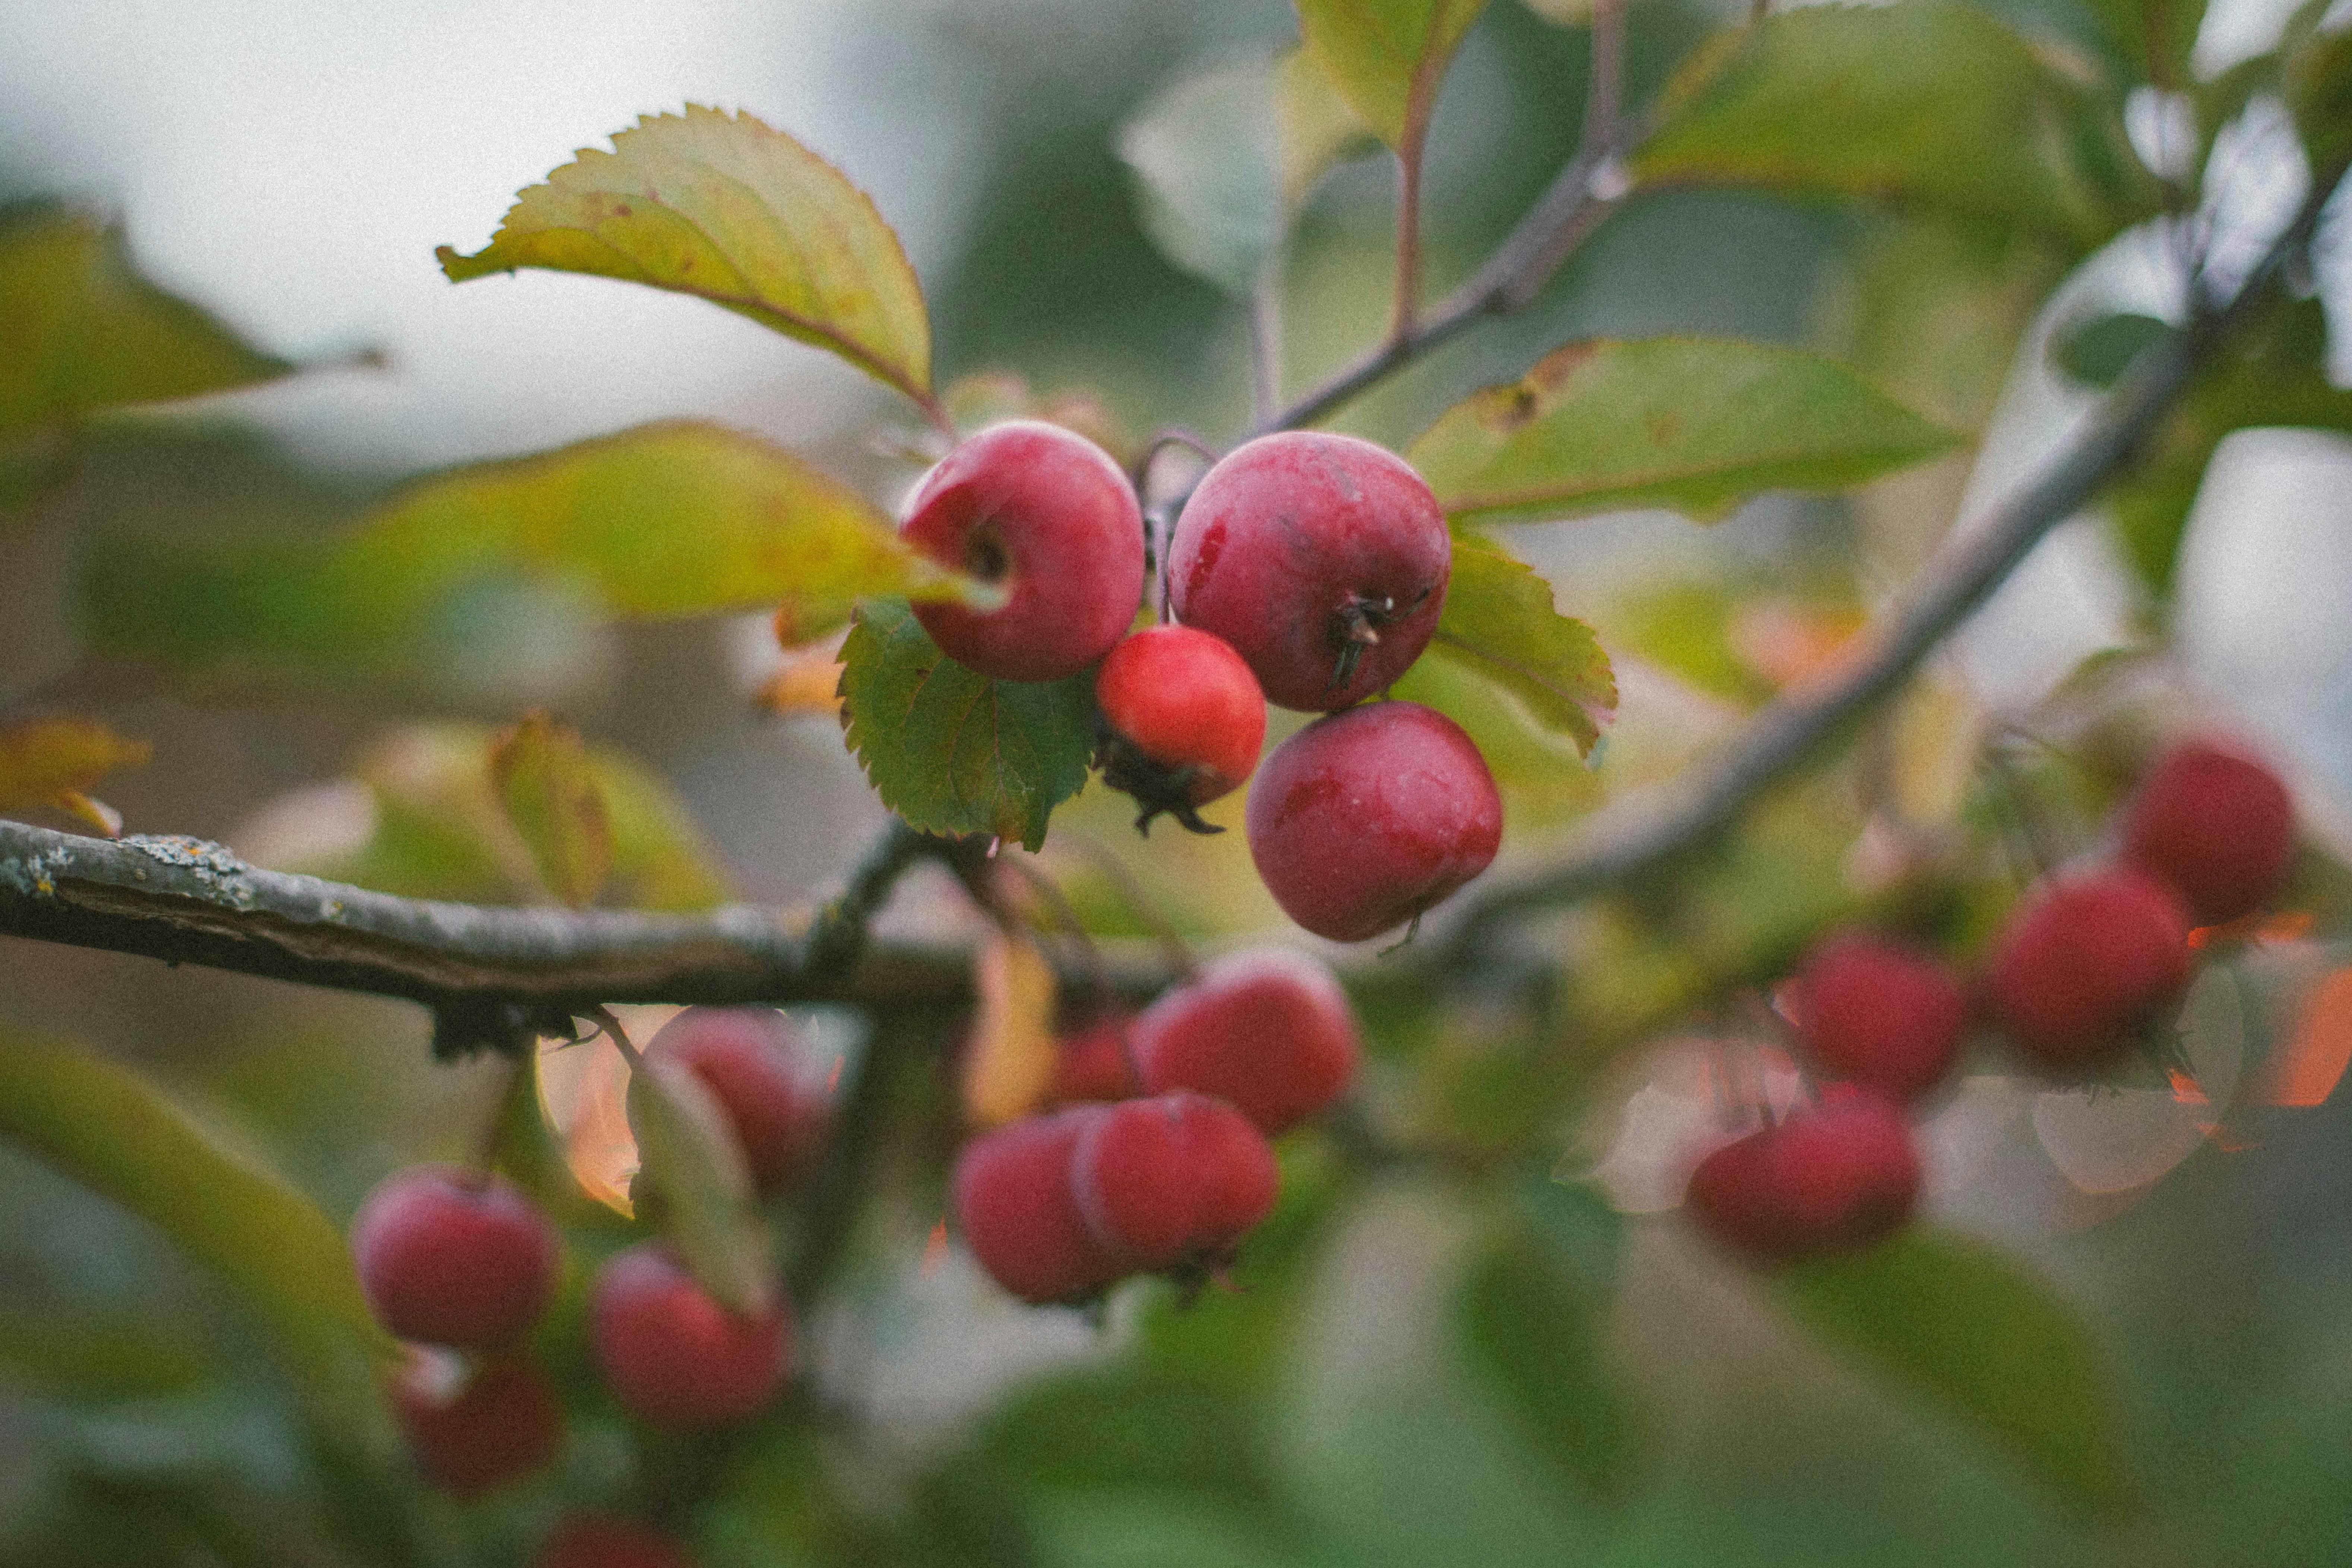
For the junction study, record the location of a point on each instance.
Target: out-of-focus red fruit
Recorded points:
(1832, 1178)
(1045, 514)
(2084, 963)
(1880, 1014)
(1266, 1030)
(674, 1356)
(1175, 1178)
(1092, 1064)
(600, 1541)
(1185, 719)
(747, 1057)
(2216, 824)
(1362, 820)
(1323, 559)
(1734, 1201)
(503, 1422)
(452, 1257)
(1020, 1215)
(1846, 1168)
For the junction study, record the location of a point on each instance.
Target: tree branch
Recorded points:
(184, 900)
(1640, 834)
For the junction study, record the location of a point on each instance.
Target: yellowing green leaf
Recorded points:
(1696, 423)
(693, 1182)
(1316, 131)
(76, 1353)
(56, 762)
(109, 1129)
(1930, 102)
(543, 777)
(667, 520)
(1955, 1326)
(81, 331)
(421, 818)
(1387, 58)
(956, 753)
(723, 207)
(1499, 623)
(1009, 1061)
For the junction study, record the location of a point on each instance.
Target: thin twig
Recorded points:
(1406, 305)
(1639, 834)
(1580, 198)
(1265, 345)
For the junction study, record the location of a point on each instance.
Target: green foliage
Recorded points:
(1928, 102)
(666, 520)
(1532, 1323)
(956, 753)
(2098, 351)
(693, 1184)
(541, 772)
(2275, 373)
(1957, 1326)
(80, 331)
(435, 828)
(2318, 89)
(721, 206)
(1224, 160)
(1499, 621)
(1387, 58)
(99, 1357)
(2153, 38)
(285, 1261)
(1695, 424)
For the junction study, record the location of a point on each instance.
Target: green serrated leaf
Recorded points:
(1499, 622)
(1929, 102)
(1387, 58)
(81, 331)
(1958, 1328)
(2274, 373)
(693, 1182)
(2098, 351)
(541, 770)
(723, 207)
(1696, 423)
(1532, 1330)
(956, 753)
(112, 1132)
(672, 518)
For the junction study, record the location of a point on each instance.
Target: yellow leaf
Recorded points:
(553, 797)
(1009, 1067)
(53, 762)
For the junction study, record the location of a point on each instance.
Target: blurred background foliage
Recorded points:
(2118, 1340)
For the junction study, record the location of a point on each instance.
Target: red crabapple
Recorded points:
(1362, 820)
(1047, 515)
(1183, 720)
(1836, 1176)
(1266, 1030)
(1879, 1013)
(1175, 1178)
(1093, 1063)
(1846, 1168)
(600, 1541)
(504, 1421)
(2085, 961)
(674, 1357)
(747, 1057)
(2214, 823)
(1321, 558)
(1019, 1215)
(451, 1257)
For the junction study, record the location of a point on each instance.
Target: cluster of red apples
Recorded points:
(1157, 1161)
(1305, 569)
(2087, 961)
(462, 1266)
